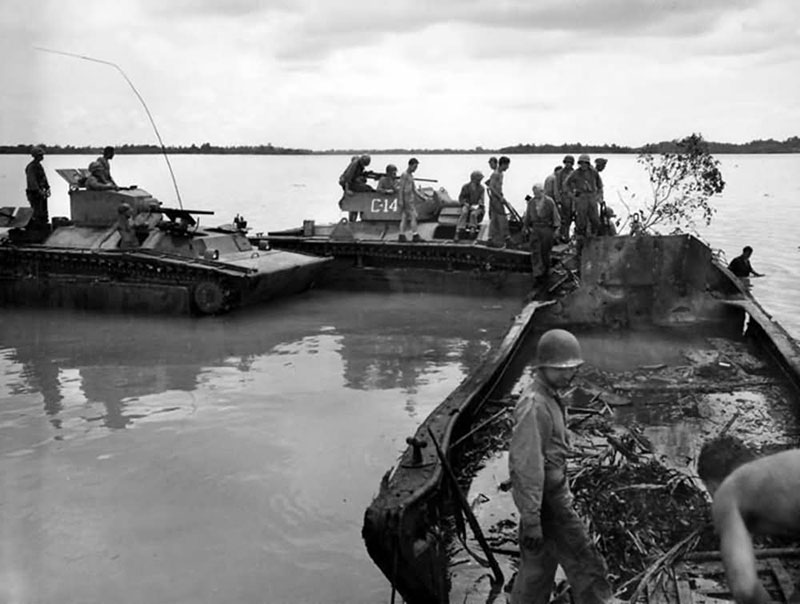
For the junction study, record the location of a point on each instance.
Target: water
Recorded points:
(228, 459)
(232, 458)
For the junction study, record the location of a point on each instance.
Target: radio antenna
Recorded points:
(141, 100)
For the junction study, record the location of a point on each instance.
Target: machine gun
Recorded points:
(179, 219)
(377, 175)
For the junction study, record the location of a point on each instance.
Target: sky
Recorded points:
(340, 74)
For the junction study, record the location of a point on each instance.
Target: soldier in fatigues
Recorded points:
(37, 189)
(541, 220)
(473, 205)
(550, 530)
(581, 185)
(562, 197)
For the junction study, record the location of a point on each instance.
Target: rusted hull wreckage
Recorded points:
(176, 268)
(627, 283)
(371, 242)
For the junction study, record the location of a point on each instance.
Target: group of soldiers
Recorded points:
(568, 195)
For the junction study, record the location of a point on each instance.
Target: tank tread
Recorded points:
(447, 256)
(129, 268)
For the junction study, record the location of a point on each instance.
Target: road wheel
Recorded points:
(209, 299)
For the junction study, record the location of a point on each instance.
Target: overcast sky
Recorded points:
(326, 74)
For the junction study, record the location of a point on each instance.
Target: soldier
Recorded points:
(473, 206)
(607, 221)
(750, 497)
(581, 186)
(562, 197)
(550, 530)
(541, 220)
(353, 178)
(741, 267)
(499, 234)
(96, 181)
(102, 169)
(37, 189)
(550, 183)
(605, 225)
(387, 184)
(407, 196)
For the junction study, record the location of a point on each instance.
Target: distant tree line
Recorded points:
(790, 145)
(129, 149)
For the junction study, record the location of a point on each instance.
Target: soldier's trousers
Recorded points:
(565, 208)
(38, 203)
(498, 228)
(541, 246)
(565, 542)
(408, 217)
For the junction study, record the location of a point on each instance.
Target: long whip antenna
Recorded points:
(141, 100)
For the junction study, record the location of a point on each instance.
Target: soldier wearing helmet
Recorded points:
(354, 178)
(550, 530)
(562, 198)
(473, 206)
(37, 189)
(582, 187)
(387, 183)
(541, 221)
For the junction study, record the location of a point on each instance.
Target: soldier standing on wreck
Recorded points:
(541, 220)
(37, 189)
(550, 530)
(581, 186)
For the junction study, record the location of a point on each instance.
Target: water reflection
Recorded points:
(112, 371)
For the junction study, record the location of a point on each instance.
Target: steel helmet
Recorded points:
(584, 158)
(558, 348)
(37, 152)
(568, 159)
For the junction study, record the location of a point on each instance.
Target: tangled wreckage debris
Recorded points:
(642, 514)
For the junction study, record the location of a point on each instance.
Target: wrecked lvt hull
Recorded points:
(627, 282)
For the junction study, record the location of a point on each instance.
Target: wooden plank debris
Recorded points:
(783, 577)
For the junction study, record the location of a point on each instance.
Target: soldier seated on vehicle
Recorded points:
(387, 183)
(750, 497)
(473, 205)
(354, 179)
(96, 180)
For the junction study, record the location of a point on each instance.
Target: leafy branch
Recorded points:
(682, 184)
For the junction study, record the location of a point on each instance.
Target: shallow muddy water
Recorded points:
(226, 459)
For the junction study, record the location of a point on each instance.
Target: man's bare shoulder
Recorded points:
(766, 491)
